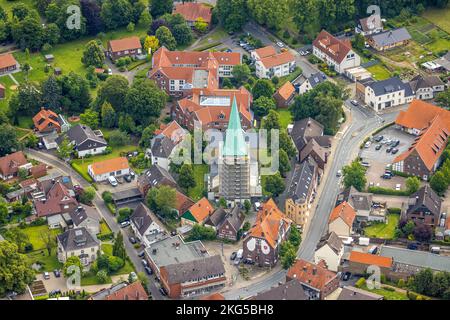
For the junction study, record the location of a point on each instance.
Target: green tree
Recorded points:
(272, 121)
(408, 228)
(200, 25)
(288, 254)
(115, 263)
(88, 195)
(295, 237)
(72, 261)
(93, 55)
(412, 184)
(51, 93)
(274, 184)
(90, 118)
(439, 182)
(15, 272)
(116, 13)
(423, 281)
(15, 235)
(114, 91)
(130, 27)
(222, 203)
(354, 175)
(247, 207)
(162, 199)
(262, 105)
(263, 88)
(119, 247)
(443, 99)
(285, 164)
(8, 137)
(232, 14)
(200, 232)
(160, 7)
(124, 214)
(241, 73)
(182, 33)
(102, 276)
(49, 240)
(146, 19)
(272, 13)
(108, 115)
(286, 144)
(147, 135)
(186, 178)
(28, 33)
(166, 38)
(65, 149)
(118, 138)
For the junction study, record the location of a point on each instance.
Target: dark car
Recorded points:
(233, 255)
(347, 275)
(163, 291)
(412, 246)
(54, 292)
(132, 240)
(127, 178)
(173, 233)
(394, 151)
(141, 254)
(248, 261)
(57, 273)
(386, 176)
(378, 147)
(395, 143)
(378, 138)
(148, 270)
(388, 149)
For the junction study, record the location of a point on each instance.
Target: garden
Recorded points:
(383, 230)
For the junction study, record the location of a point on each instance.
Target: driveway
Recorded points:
(127, 74)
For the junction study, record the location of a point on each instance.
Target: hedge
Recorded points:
(111, 208)
(388, 191)
(81, 172)
(394, 210)
(106, 236)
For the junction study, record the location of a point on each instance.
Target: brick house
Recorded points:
(58, 199)
(358, 262)
(284, 96)
(197, 213)
(11, 163)
(424, 206)
(226, 222)
(46, 121)
(191, 11)
(8, 63)
(127, 47)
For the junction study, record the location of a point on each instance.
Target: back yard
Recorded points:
(383, 230)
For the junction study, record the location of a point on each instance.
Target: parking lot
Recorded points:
(121, 186)
(379, 159)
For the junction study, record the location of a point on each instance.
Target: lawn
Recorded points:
(197, 192)
(9, 85)
(379, 72)
(383, 230)
(440, 17)
(49, 263)
(126, 269)
(388, 295)
(104, 228)
(34, 234)
(81, 165)
(213, 37)
(285, 117)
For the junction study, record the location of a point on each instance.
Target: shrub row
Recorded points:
(105, 236)
(388, 191)
(208, 46)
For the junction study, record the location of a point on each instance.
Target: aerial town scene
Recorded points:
(234, 150)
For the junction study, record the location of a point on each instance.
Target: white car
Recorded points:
(354, 102)
(368, 144)
(110, 72)
(339, 173)
(113, 181)
(397, 187)
(280, 44)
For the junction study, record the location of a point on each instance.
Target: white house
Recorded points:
(80, 243)
(308, 83)
(84, 140)
(269, 63)
(387, 93)
(336, 53)
(426, 87)
(370, 25)
(100, 171)
(330, 249)
(341, 220)
(144, 227)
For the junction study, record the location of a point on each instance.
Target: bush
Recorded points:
(38, 222)
(388, 191)
(115, 263)
(105, 236)
(394, 210)
(286, 34)
(107, 197)
(360, 283)
(102, 276)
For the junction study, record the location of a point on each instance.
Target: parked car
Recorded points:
(125, 223)
(57, 273)
(248, 261)
(144, 263)
(233, 255)
(367, 144)
(386, 176)
(132, 239)
(113, 181)
(373, 250)
(347, 275)
(54, 292)
(280, 44)
(148, 270)
(398, 186)
(378, 138)
(141, 254)
(394, 151)
(110, 71)
(388, 150)
(173, 233)
(163, 291)
(354, 102)
(46, 275)
(339, 173)
(127, 178)
(133, 276)
(365, 164)
(378, 147)
(395, 143)
(412, 246)
(132, 174)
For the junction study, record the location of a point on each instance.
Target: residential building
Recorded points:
(211, 108)
(263, 241)
(185, 268)
(154, 177)
(420, 115)
(182, 203)
(46, 121)
(330, 249)
(301, 193)
(86, 217)
(305, 84)
(336, 53)
(122, 291)
(84, 140)
(172, 130)
(311, 143)
(356, 294)
(12, 163)
(369, 25)
(54, 197)
(178, 72)
(270, 64)
(238, 173)
(383, 94)
(441, 64)
(197, 213)
(126, 47)
(193, 11)
(424, 206)
(389, 39)
(359, 262)
(8, 63)
(77, 242)
(102, 170)
(145, 228)
(318, 282)
(226, 222)
(413, 261)
(362, 202)
(291, 290)
(426, 87)
(423, 157)
(341, 219)
(284, 96)
(39, 170)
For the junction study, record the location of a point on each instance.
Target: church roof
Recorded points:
(234, 138)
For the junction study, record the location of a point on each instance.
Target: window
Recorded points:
(172, 81)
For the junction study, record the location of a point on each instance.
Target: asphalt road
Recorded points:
(102, 209)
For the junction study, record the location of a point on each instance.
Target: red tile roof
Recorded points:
(286, 90)
(10, 163)
(56, 198)
(331, 46)
(269, 220)
(201, 209)
(172, 131)
(192, 10)
(134, 291)
(344, 211)
(45, 117)
(125, 44)
(420, 114)
(266, 52)
(277, 60)
(109, 165)
(314, 275)
(370, 259)
(182, 202)
(7, 60)
(39, 170)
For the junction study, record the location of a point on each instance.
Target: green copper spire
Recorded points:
(234, 138)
